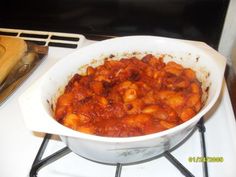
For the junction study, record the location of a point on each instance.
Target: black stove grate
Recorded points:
(40, 162)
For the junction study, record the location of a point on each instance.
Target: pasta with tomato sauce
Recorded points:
(130, 97)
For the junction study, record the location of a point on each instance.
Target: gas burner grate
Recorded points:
(39, 163)
(55, 39)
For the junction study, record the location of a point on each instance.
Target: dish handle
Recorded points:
(35, 116)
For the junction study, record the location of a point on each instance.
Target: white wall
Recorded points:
(227, 45)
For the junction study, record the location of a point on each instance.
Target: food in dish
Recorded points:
(130, 97)
(38, 103)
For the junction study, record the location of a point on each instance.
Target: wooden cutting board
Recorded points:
(12, 49)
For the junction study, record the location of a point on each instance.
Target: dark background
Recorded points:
(186, 19)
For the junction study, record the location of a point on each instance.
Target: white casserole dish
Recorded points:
(36, 101)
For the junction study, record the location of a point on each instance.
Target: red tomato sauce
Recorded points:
(130, 97)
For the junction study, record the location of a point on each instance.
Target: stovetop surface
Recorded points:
(19, 146)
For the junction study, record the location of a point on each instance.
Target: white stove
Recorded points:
(19, 146)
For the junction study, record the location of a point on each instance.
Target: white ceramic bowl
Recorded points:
(36, 102)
